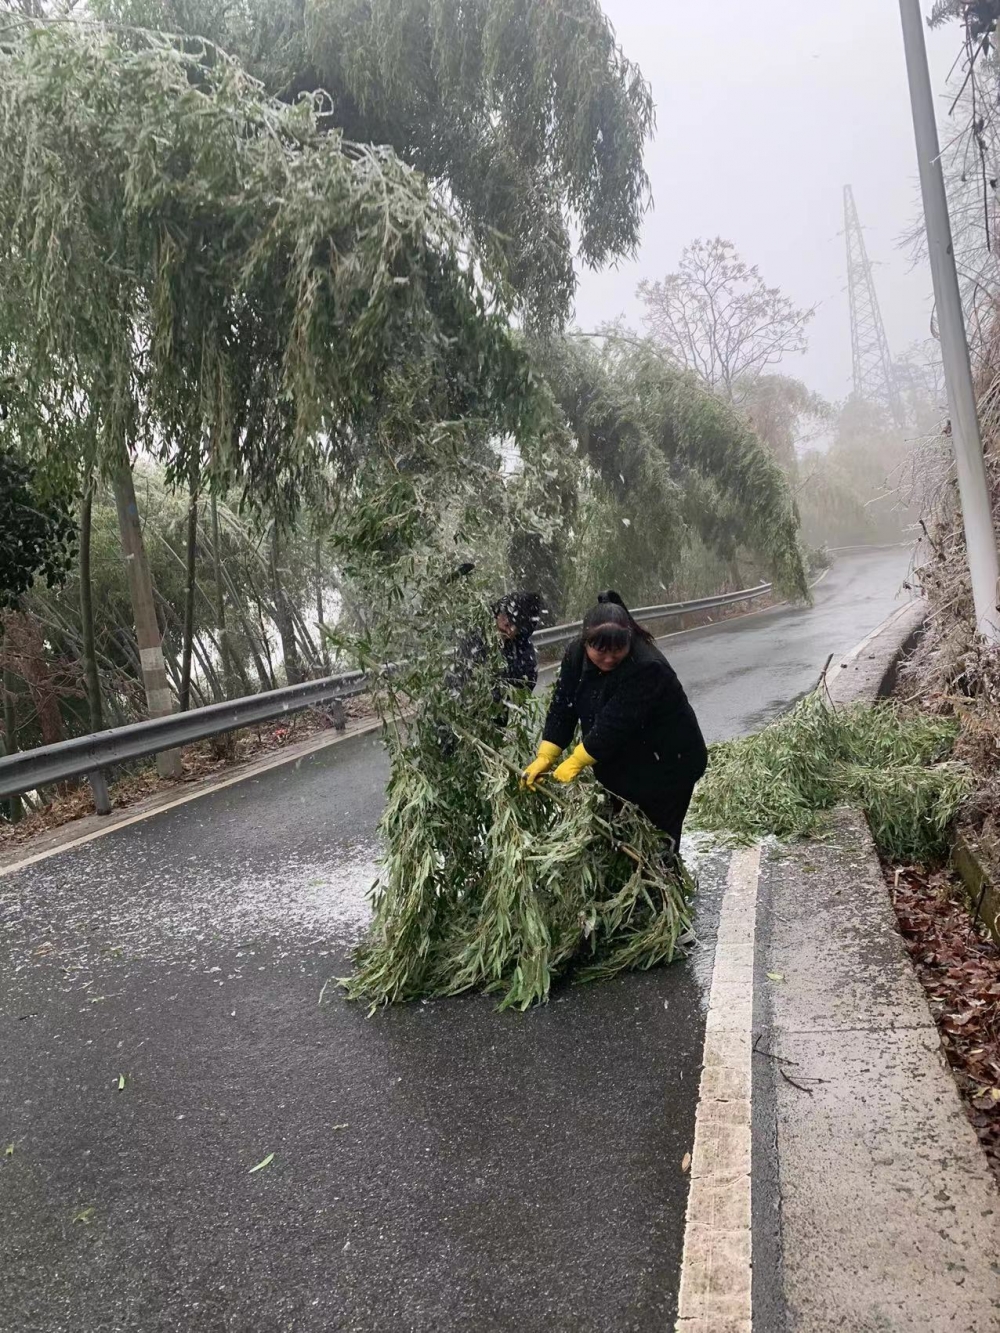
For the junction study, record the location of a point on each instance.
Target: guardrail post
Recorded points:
(99, 786)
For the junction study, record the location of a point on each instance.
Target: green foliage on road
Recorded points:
(486, 886)
(889, 760)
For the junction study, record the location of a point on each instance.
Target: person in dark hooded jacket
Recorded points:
(516, 615)
(639, 732)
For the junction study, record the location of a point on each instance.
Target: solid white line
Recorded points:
(715, 1287)
(244, 774)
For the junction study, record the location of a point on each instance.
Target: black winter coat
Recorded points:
(636, 723)
(520, 662)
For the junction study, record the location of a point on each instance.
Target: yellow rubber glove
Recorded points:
(547, 755)
(573, 766)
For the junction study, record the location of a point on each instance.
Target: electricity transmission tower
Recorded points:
(874, 377)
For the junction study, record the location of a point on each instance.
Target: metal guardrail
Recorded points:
(90, 755)
(556, 634)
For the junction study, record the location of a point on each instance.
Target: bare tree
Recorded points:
(718, 317)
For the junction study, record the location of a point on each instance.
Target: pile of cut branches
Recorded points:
(487, 886)
(483, 885)
(888, 760)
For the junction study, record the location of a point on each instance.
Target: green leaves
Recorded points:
(196, 267)
(528, 116)
(488, 886)
(883, 758)
(673, 465)
(36, 534)
(265, 1162)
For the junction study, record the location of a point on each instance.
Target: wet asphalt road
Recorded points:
(439, 1167)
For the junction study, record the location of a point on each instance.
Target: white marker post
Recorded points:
(973, 485)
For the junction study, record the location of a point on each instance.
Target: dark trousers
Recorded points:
(666, 811)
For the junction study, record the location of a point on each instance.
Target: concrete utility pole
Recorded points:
(973, 484)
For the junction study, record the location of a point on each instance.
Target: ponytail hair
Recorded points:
(609, 625)
(610, 597)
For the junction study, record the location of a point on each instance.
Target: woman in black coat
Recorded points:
(638, 730)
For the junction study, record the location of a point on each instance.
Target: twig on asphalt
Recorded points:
(795, 1084)
(771, 1055)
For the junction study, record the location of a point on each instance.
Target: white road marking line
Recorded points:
(243, 775)
(715, 1271)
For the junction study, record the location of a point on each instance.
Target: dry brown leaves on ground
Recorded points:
(959, 967)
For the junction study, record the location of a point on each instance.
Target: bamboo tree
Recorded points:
(14, 807)
(204, 661)
(253, 637)
(303, 636)
(190, 592)
(159, 697)
(283, 617)
(670, 458)
(320, 618)
(89, 652)
(262, 635)
(225, 650)
(168, 227)
(528, 115)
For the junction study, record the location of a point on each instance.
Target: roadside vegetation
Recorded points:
(207, 362)
(953, 674)
(889, 761)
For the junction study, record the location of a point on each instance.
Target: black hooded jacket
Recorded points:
(523, 610)
(520, 669)
(636, 723)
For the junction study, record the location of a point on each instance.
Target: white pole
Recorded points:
(973, 484)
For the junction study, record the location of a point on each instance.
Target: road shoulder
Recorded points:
(887, 1208)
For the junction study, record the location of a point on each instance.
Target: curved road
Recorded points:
(439, 1167)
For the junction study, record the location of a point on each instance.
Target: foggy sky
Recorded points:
(764, 113)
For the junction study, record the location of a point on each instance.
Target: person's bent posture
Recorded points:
(638, 730)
